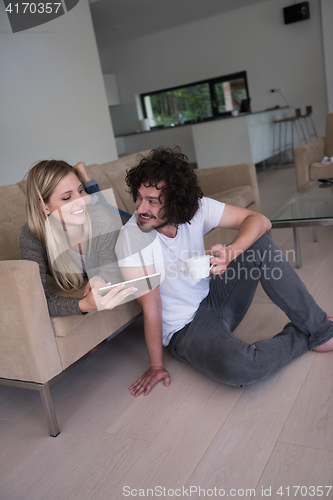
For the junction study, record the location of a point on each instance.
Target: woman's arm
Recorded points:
(33, 249)
(101, 259)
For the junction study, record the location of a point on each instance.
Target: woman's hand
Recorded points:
(149, 379)
(87, 289)
(95, 282)
(93, 301)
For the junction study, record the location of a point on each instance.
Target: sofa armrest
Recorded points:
(28, 349)
(329, 135)
(304, 156)
(217, 179)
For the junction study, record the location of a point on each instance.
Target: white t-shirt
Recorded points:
(180, 294)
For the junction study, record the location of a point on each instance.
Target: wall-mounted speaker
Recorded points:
(296, 12)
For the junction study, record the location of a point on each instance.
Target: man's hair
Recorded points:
(180, 185)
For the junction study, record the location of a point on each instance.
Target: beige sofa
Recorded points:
(35, 350)
(306, 157)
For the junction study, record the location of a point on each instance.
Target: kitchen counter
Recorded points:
(247, 137)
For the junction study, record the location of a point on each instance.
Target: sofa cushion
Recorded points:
(241, 196)
(78, 334)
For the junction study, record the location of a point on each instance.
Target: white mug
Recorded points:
(199, 266)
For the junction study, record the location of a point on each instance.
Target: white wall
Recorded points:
(253, 38)
(180, 136)
(124, 118)
(327, 16)
(53, 100)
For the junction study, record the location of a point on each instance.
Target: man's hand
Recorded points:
(221, 258)
(149, 379)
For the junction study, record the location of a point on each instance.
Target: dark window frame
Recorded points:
(213, 98)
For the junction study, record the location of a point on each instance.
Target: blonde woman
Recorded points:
(70, 239)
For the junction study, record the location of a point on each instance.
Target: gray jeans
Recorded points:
(207, 343)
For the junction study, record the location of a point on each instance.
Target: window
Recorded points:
(196, 102)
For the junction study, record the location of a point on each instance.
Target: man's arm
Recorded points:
(250, 226)
(152, 316)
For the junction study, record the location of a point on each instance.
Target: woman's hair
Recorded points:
(42, 179)
(181, 190)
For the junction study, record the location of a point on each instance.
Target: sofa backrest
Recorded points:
(12, 218)
(113, 173)
(12, 201)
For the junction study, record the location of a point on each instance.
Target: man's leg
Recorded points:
(265, 262)
(283, 286)
(208, 344)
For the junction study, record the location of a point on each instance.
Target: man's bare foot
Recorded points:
(85, 175)
(328, 346)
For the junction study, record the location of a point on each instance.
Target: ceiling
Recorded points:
(121, 20)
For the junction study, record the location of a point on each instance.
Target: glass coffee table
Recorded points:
(312, 205)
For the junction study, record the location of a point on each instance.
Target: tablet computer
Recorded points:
(142, 284)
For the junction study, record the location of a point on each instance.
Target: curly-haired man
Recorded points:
(196, 318)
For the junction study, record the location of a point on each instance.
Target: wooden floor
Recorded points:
(263, 441)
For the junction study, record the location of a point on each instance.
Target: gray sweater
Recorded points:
(100, 258)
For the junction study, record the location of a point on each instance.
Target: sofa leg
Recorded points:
(44, 391)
